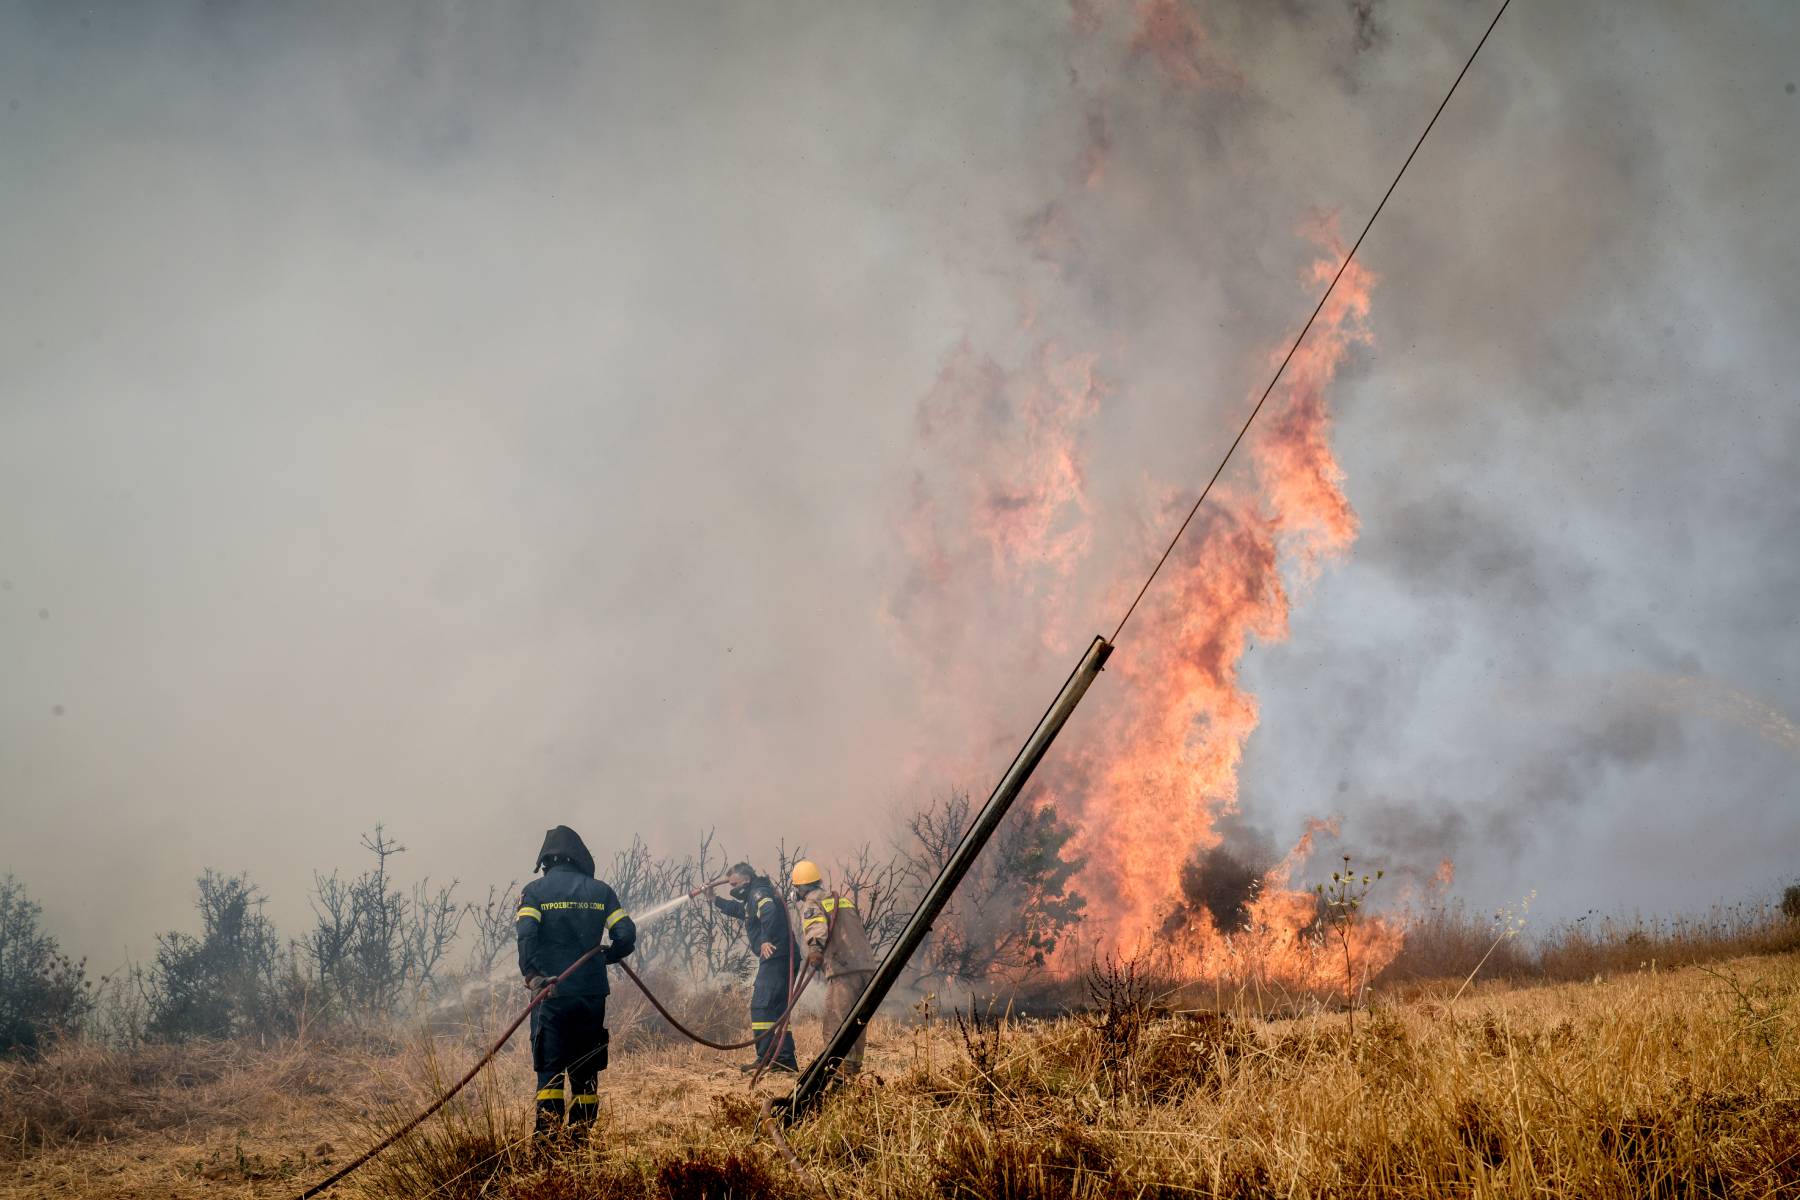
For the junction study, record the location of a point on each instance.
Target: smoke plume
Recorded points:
(655, 418)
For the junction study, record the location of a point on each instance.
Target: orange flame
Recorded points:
(1170, 33)
(1004, 508)
(1150, 792)
(1008, 504)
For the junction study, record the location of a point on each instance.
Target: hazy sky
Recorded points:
(479, 416)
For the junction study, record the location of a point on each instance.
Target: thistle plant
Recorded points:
(1343, 899)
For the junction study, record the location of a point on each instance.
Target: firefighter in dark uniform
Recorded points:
(756, 902)
(562, 916)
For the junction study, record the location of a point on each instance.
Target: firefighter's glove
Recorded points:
(538, 983)
(615, 951)
(815, 959)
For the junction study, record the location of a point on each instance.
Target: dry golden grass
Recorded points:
(1446, 941)
(1649, 1083)
(1652, 1084)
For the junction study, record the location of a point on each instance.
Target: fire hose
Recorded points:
(816, 1077)
(774, 1035)
(499, 1043)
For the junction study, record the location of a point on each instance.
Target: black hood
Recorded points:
(566, 842)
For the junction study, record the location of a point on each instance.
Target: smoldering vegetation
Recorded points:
(1001, 1078)
(384, 950)
(1599, 1091)
(1220, 883)
(1584, 1057)
(385, 947)
(1642, 1083)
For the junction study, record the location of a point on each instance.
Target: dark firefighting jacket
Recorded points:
(764, 916)
(564, 913)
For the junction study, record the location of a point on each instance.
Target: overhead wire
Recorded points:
(1304, 329)
(1169, 550)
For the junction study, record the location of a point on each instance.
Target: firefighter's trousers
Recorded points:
(841, 992)
(568, 1051)
(768, 1000)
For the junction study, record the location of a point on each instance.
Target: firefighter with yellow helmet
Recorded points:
(836, 945)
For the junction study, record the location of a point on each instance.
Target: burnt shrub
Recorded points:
(1658, 1158)
(1480, 1133)
(729, 1176)
(1067, 1161)
(1120, 1003)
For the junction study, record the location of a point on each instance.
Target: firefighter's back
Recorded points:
(847, 949)
(574, 910)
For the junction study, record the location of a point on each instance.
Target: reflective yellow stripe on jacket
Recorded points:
(536, 914)
(830, 904)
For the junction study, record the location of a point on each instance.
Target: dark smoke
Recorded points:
(597, 523)
(1368, 25)
(1220, 884)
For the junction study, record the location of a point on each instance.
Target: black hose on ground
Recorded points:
(458, 1086)
(344, 1172)
(683, 1030)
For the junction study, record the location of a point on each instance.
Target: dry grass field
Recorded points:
(1644, 1082)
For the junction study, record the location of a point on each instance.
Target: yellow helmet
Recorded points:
(806, 871)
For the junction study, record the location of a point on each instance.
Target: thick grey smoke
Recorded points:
(481, 416)
(1582, 475)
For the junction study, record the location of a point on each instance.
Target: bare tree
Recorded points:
(427, 931)
(372, 944)
(494, 920)
(715, 941)
(377, 952)
(633, 874)
(327, 947)
(784, 864)
(695, 939)
(1013, 906)
(642, 882)
(878, 889)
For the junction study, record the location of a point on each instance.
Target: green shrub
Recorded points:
(43, 992)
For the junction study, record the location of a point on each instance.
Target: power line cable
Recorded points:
(325, 1184)
(1301, 336)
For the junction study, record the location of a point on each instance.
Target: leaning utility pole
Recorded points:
(822, 1069)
